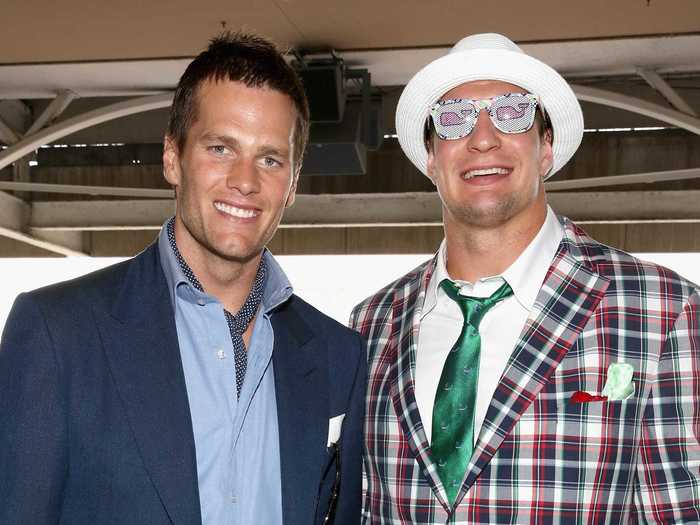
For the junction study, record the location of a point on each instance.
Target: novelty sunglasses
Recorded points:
(510, 113)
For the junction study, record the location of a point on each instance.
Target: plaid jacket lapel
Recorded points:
(568, 297)
(406, 313)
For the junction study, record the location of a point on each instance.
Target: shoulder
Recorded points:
(626, 272)
(344, 348)
(317, 321)
(95, 288)
(377, 306)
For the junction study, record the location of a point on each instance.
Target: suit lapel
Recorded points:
(568, 297)
(406, 313)
(140, 341)
(301, 387)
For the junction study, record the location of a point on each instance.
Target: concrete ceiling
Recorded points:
(132, 47)
(80, 30)
(389, 67)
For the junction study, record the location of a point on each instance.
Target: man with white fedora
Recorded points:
(526, 373)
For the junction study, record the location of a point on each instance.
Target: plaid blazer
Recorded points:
(541, 458)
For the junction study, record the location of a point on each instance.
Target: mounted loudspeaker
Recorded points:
(325, 87)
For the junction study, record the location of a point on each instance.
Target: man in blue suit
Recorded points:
(189, 384)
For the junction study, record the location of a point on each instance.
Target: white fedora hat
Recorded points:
(488, 56)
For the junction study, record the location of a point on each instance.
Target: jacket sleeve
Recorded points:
(668, 469)
(33, 429)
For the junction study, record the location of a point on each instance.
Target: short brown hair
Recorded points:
(239, 57)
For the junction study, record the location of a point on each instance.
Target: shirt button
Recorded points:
(200, 302)
(234, 499)
(221, 354)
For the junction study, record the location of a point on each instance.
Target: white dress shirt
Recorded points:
(441, 320)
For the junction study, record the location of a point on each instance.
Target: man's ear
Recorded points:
(546, 154)
(171, 161)
(431, 166)
(293, 190)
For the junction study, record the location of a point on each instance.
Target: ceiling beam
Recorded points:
(39, 243)
(7, 134)
(14, 220)
(73, 241)
(158, 193)
(14, 212)
(79, 122)
(376, 209)
(51, 112)
(652, 78)
(389, 66)
(621, 180)
(76, 189)
(628, 206)
(101, 215)
(637, 105)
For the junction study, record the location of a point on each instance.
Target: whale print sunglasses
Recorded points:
(510, 113)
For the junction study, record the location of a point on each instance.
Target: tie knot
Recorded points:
(474, 308)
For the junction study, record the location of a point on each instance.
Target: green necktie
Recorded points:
(452, 440)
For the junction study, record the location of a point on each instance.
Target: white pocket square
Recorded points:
(334, 426)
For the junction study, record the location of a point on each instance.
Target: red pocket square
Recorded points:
(585, 397)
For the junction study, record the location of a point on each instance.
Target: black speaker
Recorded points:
(325, 88)
(336, 149)
(341, 149)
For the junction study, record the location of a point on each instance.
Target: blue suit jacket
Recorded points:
(94, 419)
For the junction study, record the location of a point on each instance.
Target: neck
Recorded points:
(228, 280)
(476, 252)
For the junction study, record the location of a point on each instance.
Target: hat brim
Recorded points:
(454, 69)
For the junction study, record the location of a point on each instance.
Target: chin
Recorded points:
(241, 254)
(486, 216)
(238, 250)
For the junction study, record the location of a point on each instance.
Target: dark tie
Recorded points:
(238, 323)
(452, 440)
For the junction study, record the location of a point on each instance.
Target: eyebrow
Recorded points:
(272, 150)
(213, 137)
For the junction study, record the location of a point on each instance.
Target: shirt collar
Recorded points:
(525, 275)
(174, 275)
(277, 290)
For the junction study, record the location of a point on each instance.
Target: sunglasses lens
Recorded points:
(454, 120)
(513, 114)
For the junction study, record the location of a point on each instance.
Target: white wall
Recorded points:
(332, 283)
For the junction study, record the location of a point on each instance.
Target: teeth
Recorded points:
(486, 171)
(235, 212)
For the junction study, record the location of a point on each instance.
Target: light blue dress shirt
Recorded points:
(237, 441)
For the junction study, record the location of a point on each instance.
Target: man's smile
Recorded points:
(486, 173)
(235, 211)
